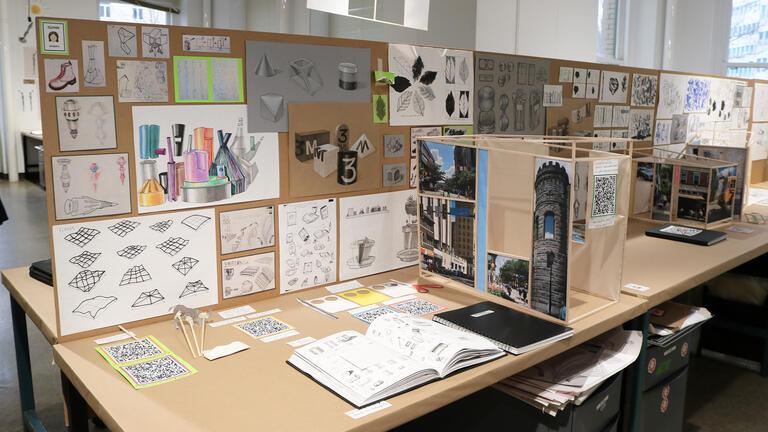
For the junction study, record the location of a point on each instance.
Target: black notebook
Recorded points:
(41, 270)
(687, 234)
(511, 330)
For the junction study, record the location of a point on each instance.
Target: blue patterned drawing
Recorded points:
(697, 95)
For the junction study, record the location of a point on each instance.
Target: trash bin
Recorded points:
(41, 165)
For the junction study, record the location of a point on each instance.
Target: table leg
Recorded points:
(76, 408)
(29, 416)
(634, 379)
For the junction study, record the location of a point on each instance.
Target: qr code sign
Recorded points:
(604, 200)
(133, 351)
(417, 307)
(155, 371)
(370, 315)
(263, 327)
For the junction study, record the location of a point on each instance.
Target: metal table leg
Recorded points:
(24, 369)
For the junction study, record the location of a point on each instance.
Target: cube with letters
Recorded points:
(308, 142)
(326, 157)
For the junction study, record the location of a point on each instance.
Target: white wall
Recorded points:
(696, 36)
(645, 33)
(564, 29)
(496, 26)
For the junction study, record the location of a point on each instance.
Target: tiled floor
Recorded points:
(720, 397)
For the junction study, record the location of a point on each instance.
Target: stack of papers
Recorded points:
(670, 321)
(575, 374)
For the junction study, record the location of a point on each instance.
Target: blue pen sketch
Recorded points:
(192, 79)
(697, 95)
(225, 74)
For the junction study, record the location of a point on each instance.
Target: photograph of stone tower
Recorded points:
(549, 275)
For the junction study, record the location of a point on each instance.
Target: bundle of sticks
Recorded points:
(189, 317)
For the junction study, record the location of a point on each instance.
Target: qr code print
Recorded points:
(370, 315)
(132, 351)
(417, 307)
(155, 371)
(263, 327)
(604, 202)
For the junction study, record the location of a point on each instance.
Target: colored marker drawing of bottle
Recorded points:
(95, 173)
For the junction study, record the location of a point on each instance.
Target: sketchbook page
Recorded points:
(358, 368)
(428, 342)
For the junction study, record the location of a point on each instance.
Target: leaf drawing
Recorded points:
(417, 68)
(428, 77)
(418, 104)
(464, 71)
(404, 101)
(400, 84)
(402, 65)
(450, 104)
(381, 108)
(427, 93)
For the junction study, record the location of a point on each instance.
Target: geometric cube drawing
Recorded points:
(148, 298)
(173, 245)
(131, 251)
(124, 227)
(161, 226)
(195, 221)
(326, 160)
(92, 306)
(193, 288)
(135, 274)
(307, 142)
(83, 236)
(85, 259)
(271, 107)
(184, 265)
(86, 280)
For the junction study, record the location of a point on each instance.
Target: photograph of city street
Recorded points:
(721, 192)
(508, 278)
(446, 170)
(448, 238)
(662, 192)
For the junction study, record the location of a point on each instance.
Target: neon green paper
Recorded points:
(380, 109)
(209, 70)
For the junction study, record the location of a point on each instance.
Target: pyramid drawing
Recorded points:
(193, 288)
(85, 259)
(185, 265)
(305, 75)
(83, 236)
(264, 68)
(135, 274)
(148, 298)
(271, 106)
(92, 306)
(173, 245)
(86, 280)
(195, 221)
(123, 227)
(131, 251)
(162, 226)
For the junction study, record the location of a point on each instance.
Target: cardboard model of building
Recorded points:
(538, 221)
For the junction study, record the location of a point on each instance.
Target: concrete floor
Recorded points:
(719, 398)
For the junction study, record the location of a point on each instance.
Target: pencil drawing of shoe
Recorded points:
(66, 77)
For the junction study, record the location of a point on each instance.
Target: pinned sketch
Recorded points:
(94, 72)
(644, 90)
(672, 95)
(128, 273)
(204, 137)
(90, 185)
(678, 128)
(696, 95)
(142, 81)
(205, 43)
(565, 75)
(640, 124)
(509, 99)
(195, 221)
(173, 245)
(578, 91)
(121, 40)
(663, 132)
(740, 118)
(614, 87)
(154, 42)
(248, 274)
(553, 96)
(247, 229)
(377, 233)
(592, 91)
(53, 37)
(86, 122)
(720, 99)
(61, 76)
(208, 79)
(394, 174)
(603, 116)
(759, 150)
(620, 116)
(417, 133)
(760, 104)
(593, 76)
(619, 133)
(431, 85)
(394, 146)
(123, 228)
(307, 244)
(162, 226)
(380, 109)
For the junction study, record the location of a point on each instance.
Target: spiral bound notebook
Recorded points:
(511, 330)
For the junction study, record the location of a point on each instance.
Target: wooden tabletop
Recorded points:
(36, 298)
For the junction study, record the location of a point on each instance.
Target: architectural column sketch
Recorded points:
(134, 269)
(247, 229)
(307, 244)
(248, 274)
(121, 40)
(94, 74)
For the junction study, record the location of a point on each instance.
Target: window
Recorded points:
(746, 49)
(119, 11)
(696, 178)
(611, 27)
(549, 225)
(683, 176)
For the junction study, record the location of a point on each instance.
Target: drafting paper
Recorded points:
(117, 289)
(662, 132)
(308, 237)
(432, 86)
(509, 98)
(415, 134)
(262, 164)
(377, 234)
(86, 122)
(205, 43)
(90, 185)
(603, 115)
(614, 87)
(248, 275)
(553, 95)
(247, 229)
(142, 81)
(54, 67)
(94, 72)
(620, 116)
(121, 40)
(154, 42)
(644, 90)
(281, 73)
(672, 93)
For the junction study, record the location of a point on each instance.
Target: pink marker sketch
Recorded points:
(95, 174)
(121, 161)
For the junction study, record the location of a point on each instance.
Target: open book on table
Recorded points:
(398, 352)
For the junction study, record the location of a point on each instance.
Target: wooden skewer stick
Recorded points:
(133, 336)
(191, 323)
(183, 329)
(203, 316)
